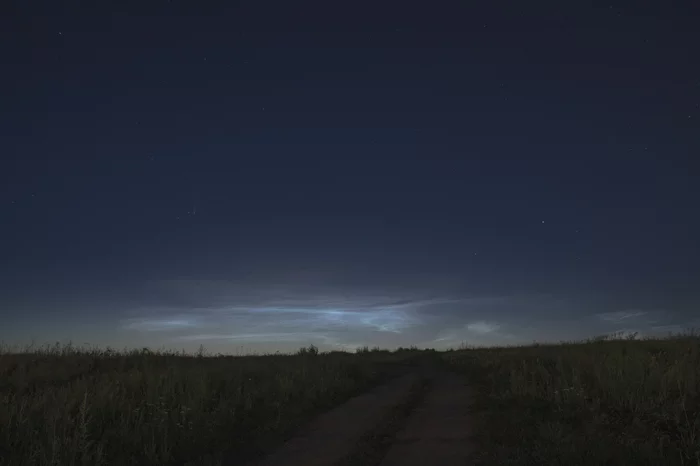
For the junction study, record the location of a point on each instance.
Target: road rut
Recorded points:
(334, 434)
(438, 431)
(421, 418)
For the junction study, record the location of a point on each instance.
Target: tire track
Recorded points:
(439, 430)
(374, 444)
(417, 419)
(334, 435)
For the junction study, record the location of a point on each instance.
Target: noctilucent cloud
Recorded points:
(176, 174)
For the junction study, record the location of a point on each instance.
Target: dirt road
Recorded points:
(421, 418)
(438, 430)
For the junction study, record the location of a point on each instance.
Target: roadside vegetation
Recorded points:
(619, 402)
(62, 405)
(601, 402)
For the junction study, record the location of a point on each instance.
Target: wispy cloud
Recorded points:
(672, 328)
(483, 327)
(479, 332)
(175, 322)
(296, 336)
(620, 316)
(224, 311)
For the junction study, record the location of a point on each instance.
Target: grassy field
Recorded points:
(66, 406)
(622, 402)
(597, 403)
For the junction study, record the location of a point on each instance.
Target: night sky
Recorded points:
(262, 175)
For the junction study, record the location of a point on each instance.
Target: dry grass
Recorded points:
(66, 406)
(596, 403)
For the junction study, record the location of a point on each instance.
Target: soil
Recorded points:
(419, 418)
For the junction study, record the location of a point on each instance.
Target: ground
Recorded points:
(637, 402)
(419, 418)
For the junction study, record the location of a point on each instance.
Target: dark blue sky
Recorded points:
(268, 174)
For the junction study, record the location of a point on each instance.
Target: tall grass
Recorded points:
(602, 402)
(67, 406)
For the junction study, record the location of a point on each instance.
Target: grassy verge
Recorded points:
(64, 406)
(599, 403)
